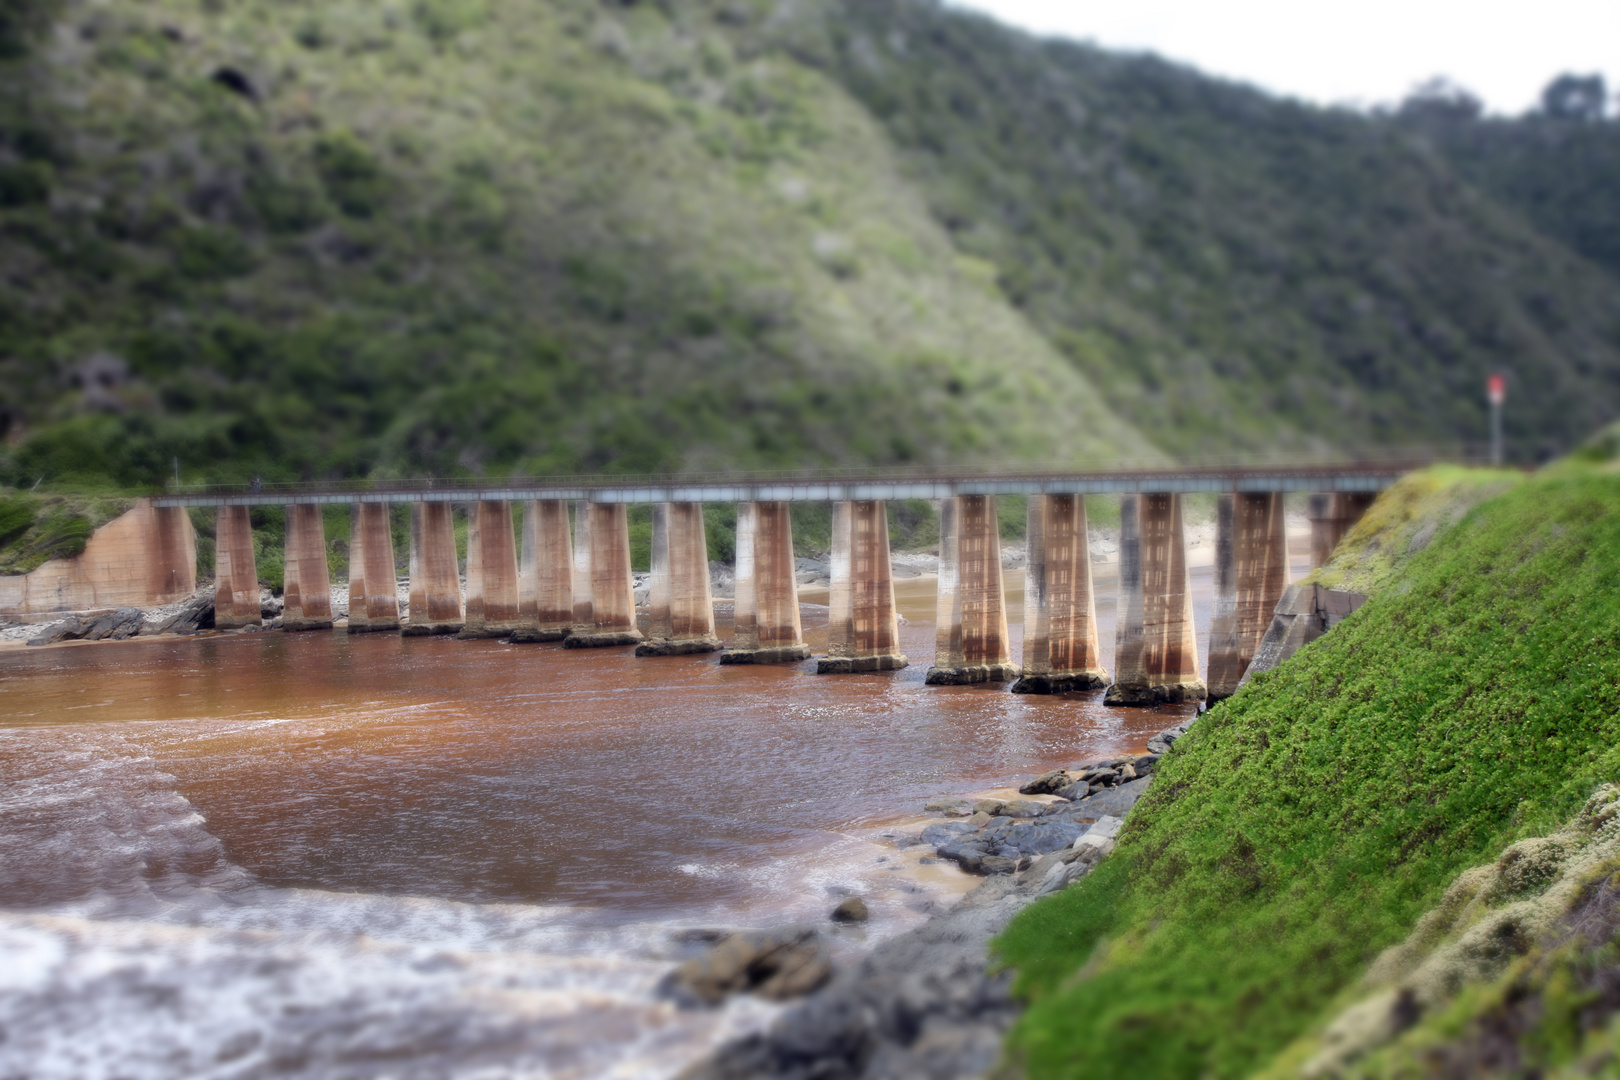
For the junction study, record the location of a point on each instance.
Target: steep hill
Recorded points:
(313, 239)
(349, 238)
(1234, 269)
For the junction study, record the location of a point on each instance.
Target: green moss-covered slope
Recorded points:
(1405, 520)
(310, 239)
(1305, 824)
(481, 236)
(36, 528)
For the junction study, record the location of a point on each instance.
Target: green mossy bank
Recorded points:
(1306, 824)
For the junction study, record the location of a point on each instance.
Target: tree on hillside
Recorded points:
(1441, 100)
(1575, 97)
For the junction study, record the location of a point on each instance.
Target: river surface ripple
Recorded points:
(324, 855)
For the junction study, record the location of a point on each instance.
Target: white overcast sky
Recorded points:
(1367, 53)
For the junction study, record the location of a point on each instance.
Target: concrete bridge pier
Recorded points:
(610, 610)
(307, 588)
(767, 628)
(863, 633)
(373, 594)
(236, 575)
(1332, 515)
(679, 600)
(545, 573)
(492, 572)
(971, 646)
(1251, 573)
(1156, 650)
(1061, 650)
(435, 576)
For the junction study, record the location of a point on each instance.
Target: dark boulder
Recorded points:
(1047, 783)
(778, 964)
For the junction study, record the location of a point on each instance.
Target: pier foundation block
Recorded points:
(307, 589)
(492, 572)
(236, 575)
(971, 642)
(1251, 572)
(373, 592)
(679, 601)
(767, 628)
(863, 634)
(1156, 650)
(435, 576)
(1061, 650)
(609, 609)
(545, 573)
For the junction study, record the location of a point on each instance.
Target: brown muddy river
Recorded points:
(318, 855)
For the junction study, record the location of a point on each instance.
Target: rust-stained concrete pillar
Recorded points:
(1156, 659)
(546, 573)
(584, 621)
(767, 628)
(435, 577)
(1061, 650)
(172, 569)
(236, 576)
(373, 593)
(1333, 515)
(611, 608)
(1251, 572)
(307, 589)
(681, 608)
(863, 633)
(972, 638)
(492, 572)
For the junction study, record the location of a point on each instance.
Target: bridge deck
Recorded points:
(1374, 476)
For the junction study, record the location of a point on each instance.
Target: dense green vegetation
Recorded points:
(1234, 270)
(307, 240)
(1307, 822)
(35, 528)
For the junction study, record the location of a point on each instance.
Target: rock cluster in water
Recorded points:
(924, 1003)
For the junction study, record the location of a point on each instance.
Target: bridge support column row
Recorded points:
(767, 629)
(1251, 572)
(306, 591)
(1156, 645)
(1332, 515)
(546, 573)
(679, 601)
(863, 633)
(492, 572)
(373, 594)
(604, 597)
(236, 575)
(1061, 650)
(971, 643)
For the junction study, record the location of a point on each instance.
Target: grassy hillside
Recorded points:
(1305, 824)
(1236, 270)
(483, 236)
(480, 235)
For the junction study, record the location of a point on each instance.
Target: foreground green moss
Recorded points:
(1307, 822)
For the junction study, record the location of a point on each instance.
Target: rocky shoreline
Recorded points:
(924, 1005)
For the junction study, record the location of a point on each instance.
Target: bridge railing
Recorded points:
(1327, 462)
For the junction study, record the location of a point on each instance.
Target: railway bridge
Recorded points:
(568, 577)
